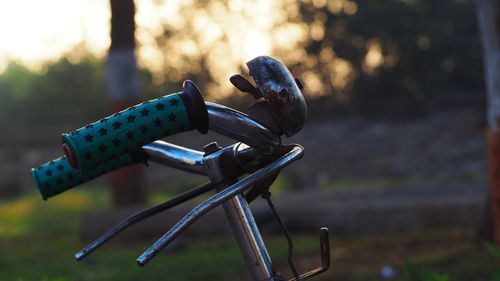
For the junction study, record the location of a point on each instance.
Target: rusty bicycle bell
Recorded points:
(283, 108)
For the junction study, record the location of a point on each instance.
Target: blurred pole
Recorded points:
(127, 184)
(488, 12)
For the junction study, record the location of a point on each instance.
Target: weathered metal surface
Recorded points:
(281, 92)
(295, 153)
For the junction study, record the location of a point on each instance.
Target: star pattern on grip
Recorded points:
(60, 167)
(171, 117)
(174, 102)
(88, 155)
(89, 138)
(48, 173)
(103, 132)
(90, 126)
(103, 120)
(144, 129)
(117, 125)
(130, 135)
(117, 114)
(102, 148)
(144, 112)
(116, 142)
(158, 122)
(159, 106)
(131, 118)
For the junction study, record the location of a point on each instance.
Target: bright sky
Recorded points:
(32, 31)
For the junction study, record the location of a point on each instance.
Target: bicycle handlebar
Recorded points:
(57, 176)
(241, 127)
(295, 152)
(130, 129)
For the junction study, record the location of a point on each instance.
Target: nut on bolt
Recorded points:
(211, 148)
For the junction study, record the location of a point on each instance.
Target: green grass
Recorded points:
(38, 240)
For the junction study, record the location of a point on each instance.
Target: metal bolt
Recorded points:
(211, 148)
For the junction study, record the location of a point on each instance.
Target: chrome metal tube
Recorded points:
(295, 153)
(175, 156)
(248, 236)
(137, 217)
(241, 127)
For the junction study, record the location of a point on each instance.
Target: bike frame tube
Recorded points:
(241, 127)
(241, 220)
(197, 212)
(247, 234)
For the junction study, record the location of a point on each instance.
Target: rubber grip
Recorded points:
(130, 129)
(57, 176)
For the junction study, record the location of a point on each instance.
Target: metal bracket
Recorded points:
(324, 243)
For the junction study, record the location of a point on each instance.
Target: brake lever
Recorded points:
(258, 189)
(142, 215)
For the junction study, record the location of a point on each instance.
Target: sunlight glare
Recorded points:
(37, 31)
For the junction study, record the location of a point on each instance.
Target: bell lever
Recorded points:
(242, 84)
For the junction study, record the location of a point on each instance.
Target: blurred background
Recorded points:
(395, 148)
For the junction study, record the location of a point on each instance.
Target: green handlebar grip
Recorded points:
(130, 129)
(57, 176)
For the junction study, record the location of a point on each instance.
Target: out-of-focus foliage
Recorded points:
(366, 52)
(399, 53)
(366, 57)
(63, 92)
(494, 251)
(414, 273)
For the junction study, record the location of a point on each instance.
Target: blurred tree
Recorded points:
(392, 56)
(127, 184)
(50, 97)
(395, 56)
(488, 12)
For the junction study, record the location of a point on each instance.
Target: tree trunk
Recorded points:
(488, 12)
(127, 184)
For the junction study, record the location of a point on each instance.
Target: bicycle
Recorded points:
(131, 136)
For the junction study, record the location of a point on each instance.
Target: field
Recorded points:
(38, 240)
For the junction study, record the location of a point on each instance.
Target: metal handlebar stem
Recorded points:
(241, 127)
(175, 156)
(295, 153)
